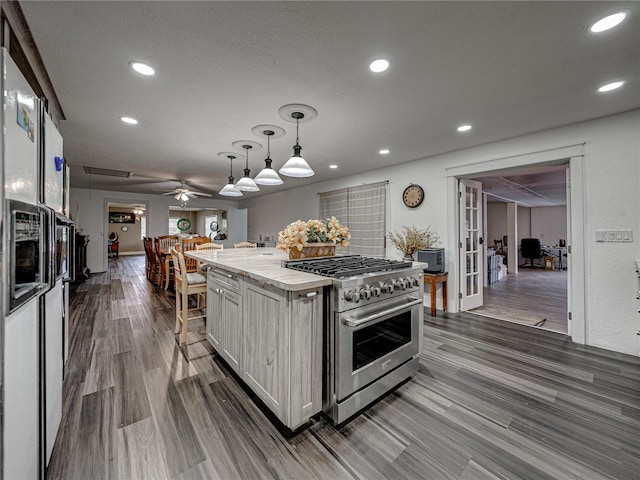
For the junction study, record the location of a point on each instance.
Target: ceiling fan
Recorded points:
(184, 193)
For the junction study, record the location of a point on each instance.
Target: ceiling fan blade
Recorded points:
(199, 194)
(168, 193)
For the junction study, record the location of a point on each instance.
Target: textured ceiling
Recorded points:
(508, 68)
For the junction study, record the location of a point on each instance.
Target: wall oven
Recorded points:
(28, 232)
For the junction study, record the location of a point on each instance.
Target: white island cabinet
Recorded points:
(266, 322)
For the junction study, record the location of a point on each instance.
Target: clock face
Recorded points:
(413, 196)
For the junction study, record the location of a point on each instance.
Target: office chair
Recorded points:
(531, 250)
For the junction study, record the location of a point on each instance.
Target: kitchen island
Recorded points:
(265, 321)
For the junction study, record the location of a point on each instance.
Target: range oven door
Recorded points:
(374, 340)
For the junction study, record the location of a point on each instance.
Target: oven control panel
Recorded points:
(377, 290)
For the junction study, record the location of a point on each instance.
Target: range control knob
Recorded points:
(399, 284)
(415, 282)
(376, 291)
(387, 288)
(352, 296)
(365, 294)
(408, 283)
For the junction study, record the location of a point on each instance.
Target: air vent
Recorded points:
(108, 172)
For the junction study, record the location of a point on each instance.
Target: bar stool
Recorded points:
(194, 283)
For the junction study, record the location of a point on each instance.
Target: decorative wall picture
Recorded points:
(122, 217)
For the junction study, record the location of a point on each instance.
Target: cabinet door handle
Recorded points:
(230, 276)
(308, 294)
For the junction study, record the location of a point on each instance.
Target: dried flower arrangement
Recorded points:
(413, 239)
(298, 234)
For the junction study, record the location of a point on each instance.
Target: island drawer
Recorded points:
(228, 279)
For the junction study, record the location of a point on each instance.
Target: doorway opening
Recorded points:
(563, 296)
(525, 225)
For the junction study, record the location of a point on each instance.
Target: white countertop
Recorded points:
(262, 265)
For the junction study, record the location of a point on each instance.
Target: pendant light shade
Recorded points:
(296, 166)
(246, 183)
(268, 176)
(230, 190)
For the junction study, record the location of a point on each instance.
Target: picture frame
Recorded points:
(122, 217)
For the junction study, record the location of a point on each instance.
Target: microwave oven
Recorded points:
(434, 257)
(29, 252)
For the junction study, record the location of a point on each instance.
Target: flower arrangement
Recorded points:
(413, 239)
(298, 234)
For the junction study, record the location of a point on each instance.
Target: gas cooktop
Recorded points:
(345, 265)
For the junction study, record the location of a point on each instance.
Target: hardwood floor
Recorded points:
(528, 297)
(490, 401)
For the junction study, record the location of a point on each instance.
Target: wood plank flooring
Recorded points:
(529, 296)
(490, 401)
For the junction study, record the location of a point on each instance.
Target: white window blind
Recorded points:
(362, 209)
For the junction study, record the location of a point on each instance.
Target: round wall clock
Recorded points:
(413, 196)
(183, 224)
(124, 229)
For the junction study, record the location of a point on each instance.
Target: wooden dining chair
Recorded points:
(210, 246)
(192, 244)
(165, 264)
(245, 245)
(186, 284)
(151, 265)
(167, 242)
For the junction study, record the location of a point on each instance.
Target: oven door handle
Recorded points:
(351, 322)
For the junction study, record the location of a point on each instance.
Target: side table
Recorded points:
(433, 279)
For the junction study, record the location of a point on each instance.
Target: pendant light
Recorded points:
(268, 176)
(246, 183)
(230, 190)
(296, 166)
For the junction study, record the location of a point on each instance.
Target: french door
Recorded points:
(471, 249)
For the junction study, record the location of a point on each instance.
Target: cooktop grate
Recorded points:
(345, 266)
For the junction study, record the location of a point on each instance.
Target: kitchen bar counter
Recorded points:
(262, 265)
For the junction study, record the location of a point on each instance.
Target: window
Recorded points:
(362, 209)
(143, 227)
(173, 226)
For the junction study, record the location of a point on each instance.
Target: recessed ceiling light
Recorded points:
(464, 128)
(610, 86)
(333, 166)
(608, 22)
(384, 151)
(142, 68)
(129, 120)
(379, 65)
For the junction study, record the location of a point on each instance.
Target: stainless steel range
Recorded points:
(373, 328)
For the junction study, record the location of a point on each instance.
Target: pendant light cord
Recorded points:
(297, 134)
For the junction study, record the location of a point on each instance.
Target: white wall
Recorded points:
(88, 209)
(549, 224)
(611, 196)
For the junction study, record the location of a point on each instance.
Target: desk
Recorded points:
(558, 252)
(433, 279)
